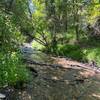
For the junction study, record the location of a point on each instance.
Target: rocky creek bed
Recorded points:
(56, 83)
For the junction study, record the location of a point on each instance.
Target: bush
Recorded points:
(71, 51)
(92, 54)
(11, 69)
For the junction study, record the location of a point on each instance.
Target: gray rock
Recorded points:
(2, 96)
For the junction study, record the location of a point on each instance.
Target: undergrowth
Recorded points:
(11, 69)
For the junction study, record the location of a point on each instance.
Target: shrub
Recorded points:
(71, 51)
(11, 69)
(92, 54)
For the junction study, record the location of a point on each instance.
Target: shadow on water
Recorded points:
(57, 84)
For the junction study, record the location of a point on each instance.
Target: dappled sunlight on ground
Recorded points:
(87, 73)
(71, 81)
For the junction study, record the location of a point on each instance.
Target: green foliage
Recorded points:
(37, 46)
(11, 66)
(11, 69)
(91, 50)
(56, 24)
(71, 51)
(92, 54)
